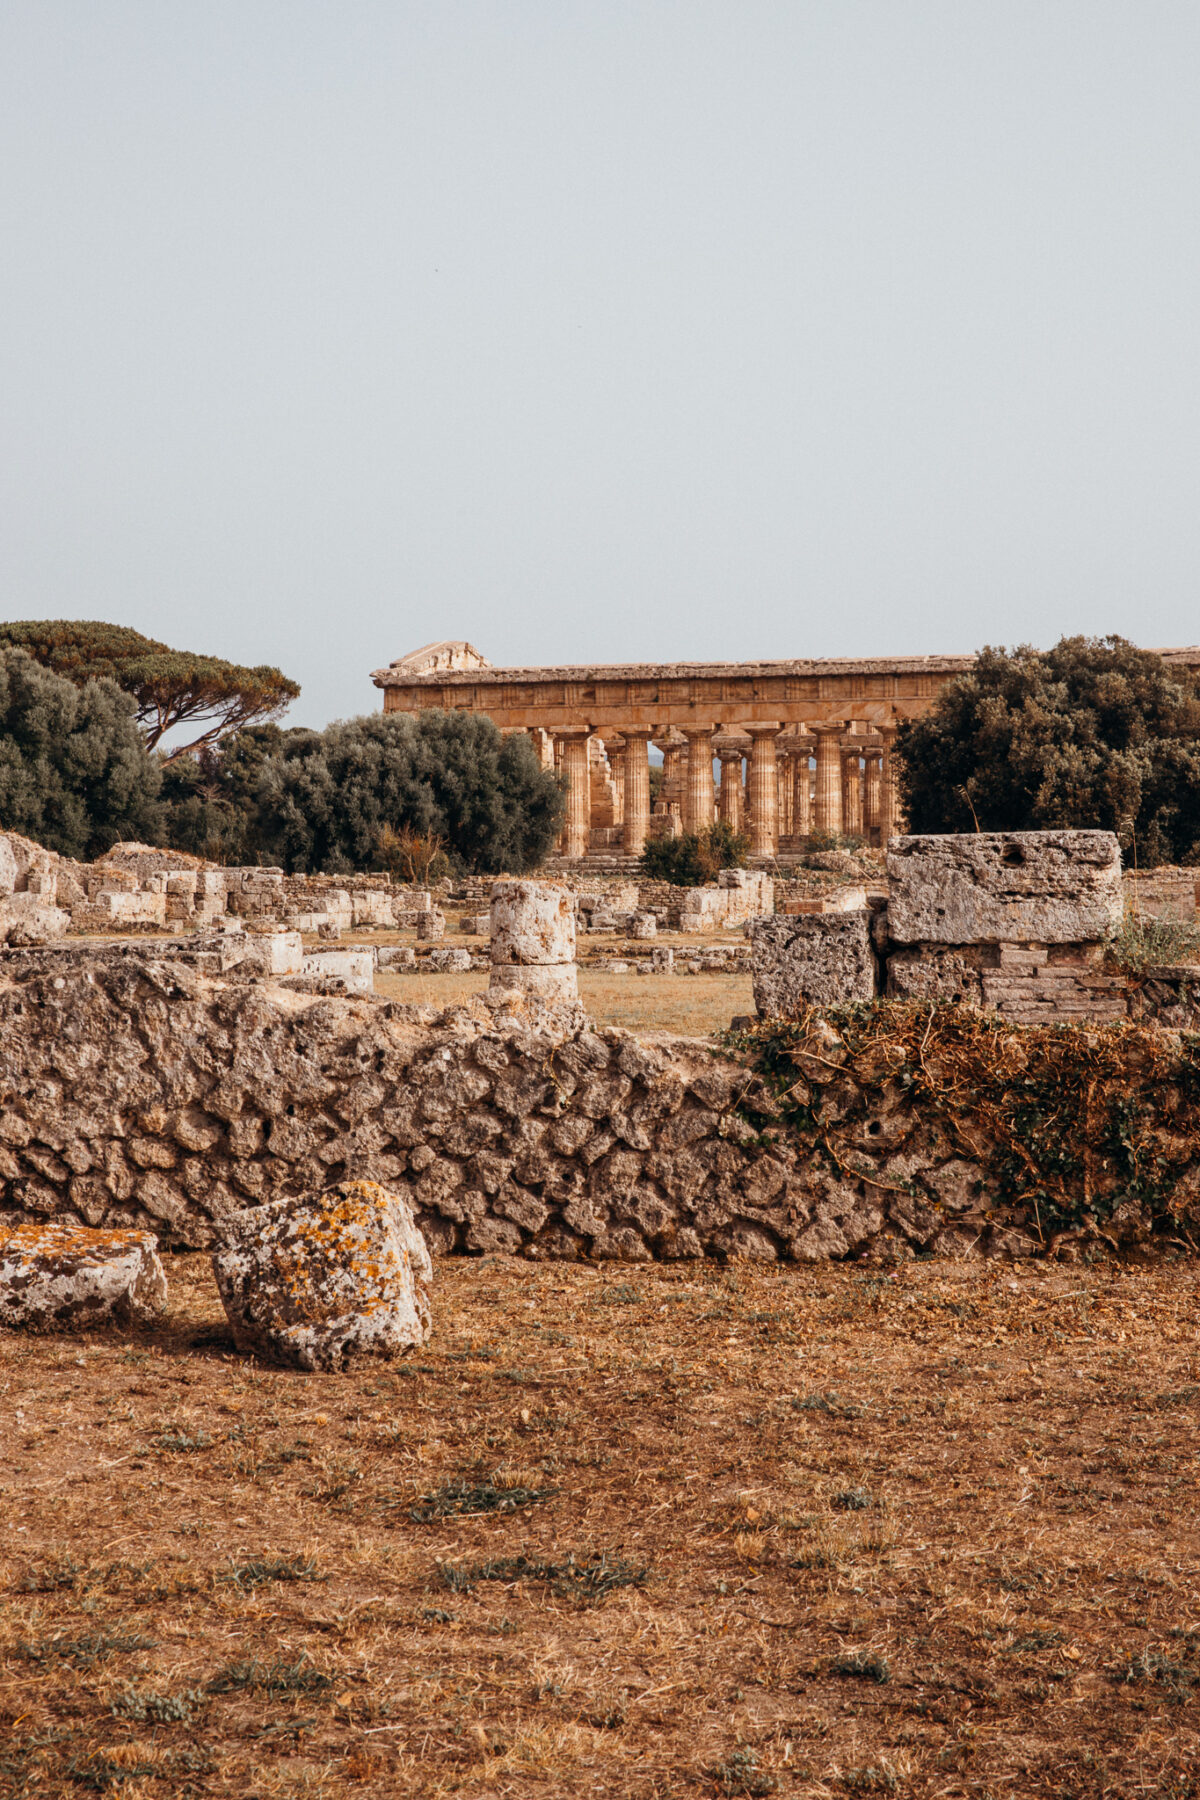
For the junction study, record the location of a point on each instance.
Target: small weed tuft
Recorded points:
(588, 1579)
(146, 1707)
(853, 1500)
(82, 1652)
(465, 1499)
(279, 1677)
(862, 1665)
(263, 1569)
(181, 1443)
(740, 1774)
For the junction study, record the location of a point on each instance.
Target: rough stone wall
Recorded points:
(142, 1092)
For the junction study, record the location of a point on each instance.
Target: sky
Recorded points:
(640, 330)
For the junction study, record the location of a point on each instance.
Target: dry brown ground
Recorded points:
(932, 1534)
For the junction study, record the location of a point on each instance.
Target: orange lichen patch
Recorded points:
(37, 1239)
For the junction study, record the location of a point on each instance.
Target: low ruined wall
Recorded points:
(143, 1092)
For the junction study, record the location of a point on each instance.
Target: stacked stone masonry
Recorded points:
(1016, 923)
(145, 1092)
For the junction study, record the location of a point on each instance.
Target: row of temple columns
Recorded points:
(828, 777)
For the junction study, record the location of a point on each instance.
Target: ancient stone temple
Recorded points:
(802, 746)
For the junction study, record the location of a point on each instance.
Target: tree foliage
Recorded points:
(695, 857)
(323, 798)
(171, 687)
(74, 773)
(1093, 733)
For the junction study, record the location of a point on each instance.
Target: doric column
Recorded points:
(729, 798)
(698, 807)
(802, 791)
(614, 749)
(783, 787)
(637, 790)
(852, 819)
(763, 829)
(871, 797)
(578, 828)
(828, 809)
(889, 802)
(671, 745)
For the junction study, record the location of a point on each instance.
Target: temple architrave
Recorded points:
(802, 747)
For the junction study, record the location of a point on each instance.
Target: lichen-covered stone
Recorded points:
(1040, 887)
(324, 1280)
(820, 960)
(532, 922)
(60, 1277)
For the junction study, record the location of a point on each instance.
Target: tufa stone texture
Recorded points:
(818, 960)
(61, 1277)
(532, 923)
(324, 1280)
(1040, 887)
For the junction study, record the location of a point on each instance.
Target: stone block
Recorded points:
(532, 924)
(277, 952)
(554, 982)
(643, 925)
(662, 959)
(396, 956)
(354, 968)
(824, 960)
(323, 1281)
(431, 925)
(63, 1277)
(27, 920)
(448, 961)
(1045, 887)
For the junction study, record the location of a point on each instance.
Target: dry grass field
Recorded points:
(623, 1530)
(693, 1005)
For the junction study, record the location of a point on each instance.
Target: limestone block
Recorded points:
(329, 930)
(1045, 887)
(553, 982)
(58, 1276)
(324, 1280)
(431, 925)
(277, 952)
(449, 961)
(532, 923)
(662, 959)
(824, 960)
(396, 956)
(643, 925)
(8, 864)
(355, 968)
(27, 920)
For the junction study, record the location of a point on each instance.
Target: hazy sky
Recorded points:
(599, 332)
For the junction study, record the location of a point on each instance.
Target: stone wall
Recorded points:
(152, 1092)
